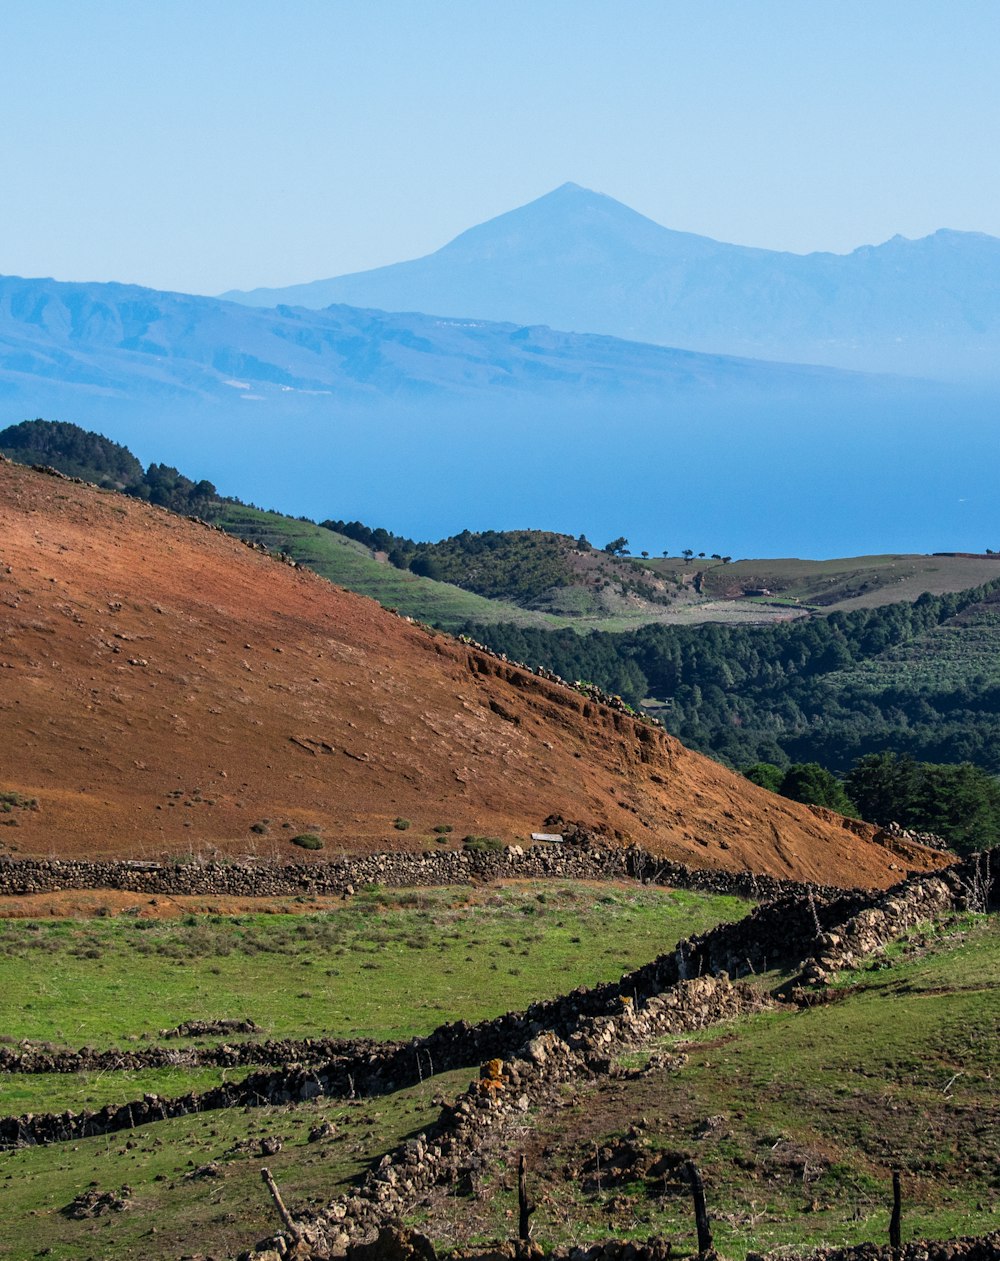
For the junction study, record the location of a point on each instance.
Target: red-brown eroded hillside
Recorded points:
(163, 689)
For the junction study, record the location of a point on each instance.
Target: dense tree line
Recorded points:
(793, 692)
(807, 782)
(79, 453)
(73, 451)
(960, 803)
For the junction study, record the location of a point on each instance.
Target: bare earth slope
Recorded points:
(163, 689)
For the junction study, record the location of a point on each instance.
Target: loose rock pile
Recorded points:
(94, 1203)
(896, 832)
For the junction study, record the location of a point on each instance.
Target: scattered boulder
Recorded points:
(94, 1203)
(394, 1243)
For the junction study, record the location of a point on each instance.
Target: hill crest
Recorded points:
(168, 691)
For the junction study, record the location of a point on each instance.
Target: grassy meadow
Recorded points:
(387, 965)
(796, 1118)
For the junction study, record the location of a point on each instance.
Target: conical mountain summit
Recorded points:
(583, 262)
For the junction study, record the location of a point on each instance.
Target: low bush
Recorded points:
(482, 844)
(307, 840)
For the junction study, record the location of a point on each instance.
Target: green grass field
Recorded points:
(388, 965)
(796, 1119)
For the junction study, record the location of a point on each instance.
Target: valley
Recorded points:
(499, 679)
(251, 911)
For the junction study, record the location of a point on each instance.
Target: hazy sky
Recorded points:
(231, 143)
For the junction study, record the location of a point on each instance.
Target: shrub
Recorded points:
(8, 801)
(443, 828)
(307, 840)
(401, 825)
(482, 844)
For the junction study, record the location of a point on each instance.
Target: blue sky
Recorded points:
(232, 143)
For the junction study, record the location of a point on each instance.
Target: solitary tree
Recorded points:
(687, 553)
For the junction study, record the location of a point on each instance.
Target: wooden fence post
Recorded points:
(287, 1220)
(700, 1211)
(525, 1208)
(895, 1238)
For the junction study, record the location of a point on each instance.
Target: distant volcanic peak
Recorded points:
(557, 218)
(167, 690)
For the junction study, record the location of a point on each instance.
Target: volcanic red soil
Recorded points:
(166, 691)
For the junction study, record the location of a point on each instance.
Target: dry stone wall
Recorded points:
(586, 859)
(506, 1090)
(776, 934)
(973, 884)
(44, 1058)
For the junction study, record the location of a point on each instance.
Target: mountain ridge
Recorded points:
(583, 261)
(356, 406)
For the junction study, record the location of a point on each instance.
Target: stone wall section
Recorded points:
(970, 885)
(777, 933)
(582, 857)
(504, 1093)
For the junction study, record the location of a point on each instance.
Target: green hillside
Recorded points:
(354, 566)
(920, 678)
(385, 964)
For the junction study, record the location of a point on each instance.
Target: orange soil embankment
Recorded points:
(167, 691)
